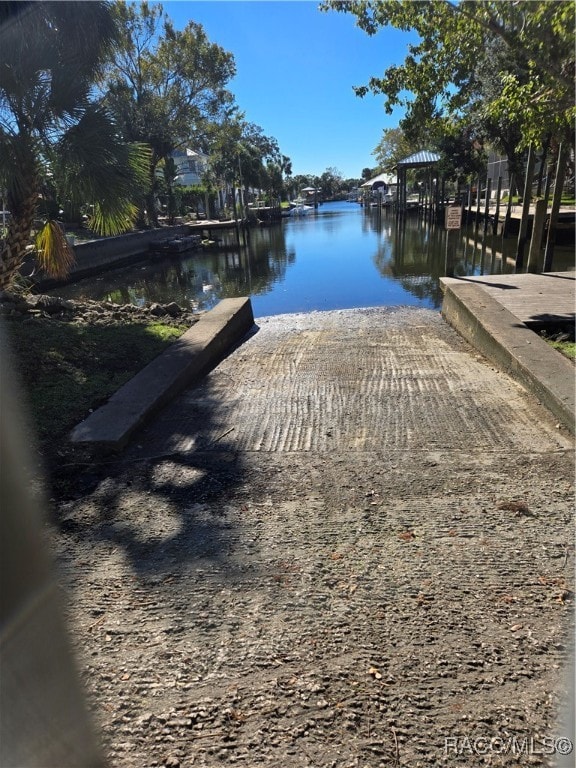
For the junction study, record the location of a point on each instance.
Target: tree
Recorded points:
(243, 156)
(498, 128)
(462, 155)
(300, 181)
(369, 173)
(50, 55)
(392, 147)
(533, 83)
(330, 183)
(164, 86)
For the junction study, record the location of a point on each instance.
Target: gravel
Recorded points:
(352, 545)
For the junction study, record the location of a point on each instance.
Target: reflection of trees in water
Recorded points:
(199, 280)
(412, 253)
(256, 269)
(415, 253)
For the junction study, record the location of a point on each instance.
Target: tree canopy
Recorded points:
(506, 66)
(50, 128)
(392, 147)
(164, 85)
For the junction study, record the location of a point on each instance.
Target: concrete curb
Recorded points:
(504, 339)
(184, 363)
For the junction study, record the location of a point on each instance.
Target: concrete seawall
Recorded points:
(97, 255)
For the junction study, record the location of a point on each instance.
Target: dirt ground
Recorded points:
(351, 546)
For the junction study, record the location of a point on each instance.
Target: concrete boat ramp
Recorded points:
(350, 544)
(493, 313)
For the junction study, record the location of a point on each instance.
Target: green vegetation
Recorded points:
(68, 369)
(483, 73)
(165, 88)
(567, 348)
(56, 142)
(98, 146)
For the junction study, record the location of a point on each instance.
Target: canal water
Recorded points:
(342, 257)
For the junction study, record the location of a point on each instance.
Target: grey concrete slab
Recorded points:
(350, 381)
(481, 317)
(181, 365)
(533, 299)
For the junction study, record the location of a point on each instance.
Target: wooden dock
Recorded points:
(210, 227)
(215, 224)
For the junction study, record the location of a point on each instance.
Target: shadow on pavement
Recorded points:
(161, 499)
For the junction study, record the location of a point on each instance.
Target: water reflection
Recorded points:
(343, 257)
(198, 280)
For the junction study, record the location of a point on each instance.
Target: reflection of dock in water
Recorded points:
(493, 248)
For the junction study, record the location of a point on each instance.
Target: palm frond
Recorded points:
(94, 166)
(67, 41)
(54, 254)
(113, 220)
(93, 161)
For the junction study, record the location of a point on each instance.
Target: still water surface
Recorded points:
(340, 258)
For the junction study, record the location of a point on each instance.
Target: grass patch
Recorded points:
(568, 348)
(68, 369)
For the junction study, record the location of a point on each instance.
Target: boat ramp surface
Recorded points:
(345, 546)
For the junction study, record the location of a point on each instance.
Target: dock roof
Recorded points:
(382, 178)
(419, 159)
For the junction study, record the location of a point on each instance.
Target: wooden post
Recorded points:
(537, 232)
(548, 184)
(508, 215)
(497, 213)
(448, 263)
(235, 209)
(487, 205)
(478, 186)
(525, 208)
(404, 190)
(556, 199)
(545, 149)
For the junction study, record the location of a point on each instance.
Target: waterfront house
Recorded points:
(191, 166)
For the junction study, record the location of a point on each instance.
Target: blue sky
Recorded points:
(296, 67)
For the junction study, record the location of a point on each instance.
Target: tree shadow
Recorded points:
(551, 323)
(488, 284)
(163, 499)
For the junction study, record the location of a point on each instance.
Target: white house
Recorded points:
(190, 166)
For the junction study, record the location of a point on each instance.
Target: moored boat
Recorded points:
(174, 246)
(301, 210)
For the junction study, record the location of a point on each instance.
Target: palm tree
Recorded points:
(50, 58)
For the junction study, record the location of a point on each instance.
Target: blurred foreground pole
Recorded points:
(43, 716)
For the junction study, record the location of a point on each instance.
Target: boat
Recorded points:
(174, 246)
(301, 210)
